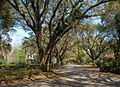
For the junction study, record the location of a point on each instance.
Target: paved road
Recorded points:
(74, 76)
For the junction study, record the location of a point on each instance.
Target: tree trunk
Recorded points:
(94, 63)
(45, 64)
(50, 60)
(58, 62)
(61, 61)
(45, 58)
(3, 53)
(41, 54)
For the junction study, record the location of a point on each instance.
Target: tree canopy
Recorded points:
(54, 23)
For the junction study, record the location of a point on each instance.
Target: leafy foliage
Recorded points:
(110, 65)
(6, 17)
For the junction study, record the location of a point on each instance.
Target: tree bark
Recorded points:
(94, 63)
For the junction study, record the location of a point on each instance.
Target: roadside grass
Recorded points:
(22, 73)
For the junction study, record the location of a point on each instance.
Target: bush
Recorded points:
(110, 65)
(106, 65)
(1, 62)
(116, 66)
(21, 64)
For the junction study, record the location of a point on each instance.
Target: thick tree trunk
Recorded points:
(41, 54)
(44, 54)
(45, 58)
(45, 64)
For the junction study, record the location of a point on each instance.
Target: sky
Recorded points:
(17, 36)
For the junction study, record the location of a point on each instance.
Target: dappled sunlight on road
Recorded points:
(68, 79)
(74, 76)
(88, 76)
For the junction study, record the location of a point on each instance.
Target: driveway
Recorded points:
(73, 76)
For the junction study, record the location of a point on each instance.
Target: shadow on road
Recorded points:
(75, 76)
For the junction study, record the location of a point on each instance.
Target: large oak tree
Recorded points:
(56, 16)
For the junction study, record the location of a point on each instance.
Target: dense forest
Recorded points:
(84, 32)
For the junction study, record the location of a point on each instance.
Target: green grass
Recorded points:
(21, 73)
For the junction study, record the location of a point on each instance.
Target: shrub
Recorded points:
(21, 64)
(1, 62)
(110, 65)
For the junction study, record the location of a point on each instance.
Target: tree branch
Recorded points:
(97, 4)
(54, 12)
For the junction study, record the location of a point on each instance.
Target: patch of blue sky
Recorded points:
(92, 20)
(17, 36)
